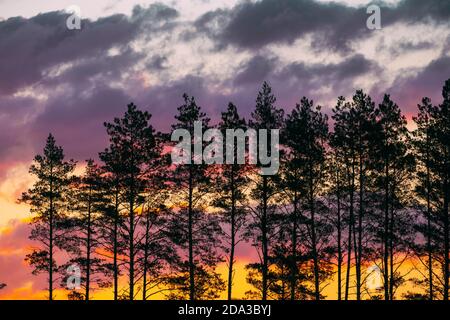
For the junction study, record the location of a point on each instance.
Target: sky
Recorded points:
(69, 82)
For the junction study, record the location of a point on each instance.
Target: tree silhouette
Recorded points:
(305, 136)
(265, 116)
(194, 231)
(157, 256)
(422, 144)
(111, 222)
(394, 167)
(131, 142)
(231, 181)
(342, 188)
(353, 138)
(88, 204)
(443, 138)
(336, 206)
(48, 200)
(344, 146)
(433, 150)
(363, 193)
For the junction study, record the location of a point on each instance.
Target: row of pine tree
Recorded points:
(357, 196)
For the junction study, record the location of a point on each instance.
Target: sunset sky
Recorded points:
(69, 82)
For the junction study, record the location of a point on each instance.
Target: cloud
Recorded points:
(410, 46)
(76, 120)
(354, 66)
(253, 25)
(293, 80)
(70, 82)
(30, 47)
(257, 69)
(55, 79)
(426, 82)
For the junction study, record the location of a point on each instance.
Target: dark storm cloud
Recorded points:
(76, 120)
(14, 112)
(95, 69)
(252, 25)
(74, 68)
(290, 82)
(257, 69)
(307, 77)
(427, 82)
(86, 85)
(354, 66)
(29, 47)
(163, 100)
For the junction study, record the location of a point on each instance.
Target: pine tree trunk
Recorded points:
(391, 254)
(429, 248)
(131, 250)
(350, 227)
(51, 209)
(446, 240)
(131, 234)
(386, 232)
(88, 249)
(314, 237)
(144, 272)
(233, 238)
(294, 250)
(264, 240)
(115, 248)
(190, 236)
(339, 235)
(360, 215)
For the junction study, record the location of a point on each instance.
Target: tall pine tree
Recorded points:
(48, 200)
(194, 230)
(132, 144)
(266, 116)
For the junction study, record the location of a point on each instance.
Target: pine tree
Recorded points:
(265, 116)
(306, 135)
(157, 256)
(193, 229)
(344, 145)
(342, 188)
(353, 137)
(48, 205)
(112, 220)
(433, 149)
(422, 145)
(132, 140)
(394, 172)
(231, 183)
(443, 138)
(88, 204)
(363, 108)
(336, 204)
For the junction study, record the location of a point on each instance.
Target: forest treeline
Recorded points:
(364, 193)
